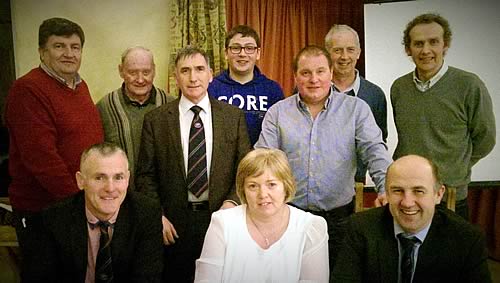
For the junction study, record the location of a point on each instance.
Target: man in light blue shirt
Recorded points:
(322, 134)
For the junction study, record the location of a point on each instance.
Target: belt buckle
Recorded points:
(198, 206)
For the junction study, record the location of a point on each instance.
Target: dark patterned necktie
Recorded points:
(197, 178)
(351, 93)
(408, 246)
(103, 265)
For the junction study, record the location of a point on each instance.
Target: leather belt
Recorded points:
(198, 206)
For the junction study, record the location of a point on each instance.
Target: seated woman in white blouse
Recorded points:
(264, 239)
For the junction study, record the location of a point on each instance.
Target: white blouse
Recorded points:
(231, 255)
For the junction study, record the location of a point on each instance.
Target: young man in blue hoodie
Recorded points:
(242, 84)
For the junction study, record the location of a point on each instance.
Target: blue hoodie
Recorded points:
(254, 98)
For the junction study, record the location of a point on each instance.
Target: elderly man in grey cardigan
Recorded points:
(122, 111)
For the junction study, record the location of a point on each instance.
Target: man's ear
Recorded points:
(445, 49)
(40, 52)
(440, 194)
(80, 180)
(408, 51)
(120, 71)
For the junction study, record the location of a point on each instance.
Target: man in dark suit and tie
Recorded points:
(409, 240)
(189, 154)
(103, 233)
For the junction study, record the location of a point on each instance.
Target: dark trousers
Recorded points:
(180, 257)
(337, 221)
(461, 208)
(29, 231)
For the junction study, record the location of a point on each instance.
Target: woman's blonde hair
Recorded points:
(259, 160)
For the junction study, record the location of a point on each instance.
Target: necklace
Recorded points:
(273, 232)
(260, 232)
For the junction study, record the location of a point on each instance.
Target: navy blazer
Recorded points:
(136, 246)
(453, 250)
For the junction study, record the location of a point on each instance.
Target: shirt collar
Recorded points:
(355, 85)
(151, 99)
(303, 105)
(424, 86)
(92, 219)
(420, 234)
(186, 104)
(53, 74)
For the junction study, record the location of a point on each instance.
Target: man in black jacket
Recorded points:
(73, 238)
(446, 248)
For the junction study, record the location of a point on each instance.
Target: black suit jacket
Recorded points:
(453, 250)
(136, 246)
(161, 173)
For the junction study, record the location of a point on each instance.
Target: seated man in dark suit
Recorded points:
(103, 233)
(189, 154)
(410, 240)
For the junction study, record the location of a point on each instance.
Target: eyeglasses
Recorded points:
(236, 49)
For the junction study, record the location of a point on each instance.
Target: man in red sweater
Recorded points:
(51, 119)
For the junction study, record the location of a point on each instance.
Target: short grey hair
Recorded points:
(103, 149)
(130, 49)
(339, 28)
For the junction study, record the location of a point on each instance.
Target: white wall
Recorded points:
(110, 26)
(475, 47)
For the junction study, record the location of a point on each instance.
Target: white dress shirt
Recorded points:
(185, 119)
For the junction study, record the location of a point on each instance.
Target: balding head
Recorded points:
(137, 69)
(413, 189)
(416, 163)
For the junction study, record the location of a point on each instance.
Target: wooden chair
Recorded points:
(451, 198)
(9, 247)
(359, 197)
(8, 237)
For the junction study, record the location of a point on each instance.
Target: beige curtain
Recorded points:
(201, 23)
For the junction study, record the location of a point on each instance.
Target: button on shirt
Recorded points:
(185, 119)
(322, 152)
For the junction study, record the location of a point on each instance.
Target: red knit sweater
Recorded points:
(49, 126)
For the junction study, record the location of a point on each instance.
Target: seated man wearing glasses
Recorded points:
(243, 85)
